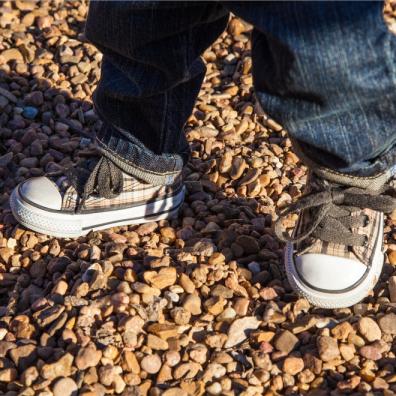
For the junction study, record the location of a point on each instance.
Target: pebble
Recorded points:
(392, 257)
(369, 329)
(151, 364)
(62, 367)
(192, 303)
(8, 375)
(239, 330)
(293, 365)
(30, 112)
(370, 352)
(88, 357)
(65, 387)
(164, 278)
(286, 342)
(387, 323)
(392, 288)
(327, 348)
(6, 159)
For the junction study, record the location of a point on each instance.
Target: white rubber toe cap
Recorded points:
(42, 192)
(328, 273)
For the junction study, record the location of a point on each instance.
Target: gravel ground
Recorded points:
(197, 305)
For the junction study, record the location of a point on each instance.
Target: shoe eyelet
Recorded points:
(366, 241)
(366, 221)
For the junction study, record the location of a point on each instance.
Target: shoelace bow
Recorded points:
(331, 211)
(105, 180)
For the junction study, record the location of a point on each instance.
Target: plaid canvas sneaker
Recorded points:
(335, 255)
(92, 196)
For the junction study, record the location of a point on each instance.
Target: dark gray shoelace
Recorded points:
(331, 210)
(105, 180)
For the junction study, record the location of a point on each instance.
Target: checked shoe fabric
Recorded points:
(94, 195)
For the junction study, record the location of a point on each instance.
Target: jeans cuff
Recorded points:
(138, 161)
(373, 182)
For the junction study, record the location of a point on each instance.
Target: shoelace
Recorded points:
(331, 211)
(105, 180)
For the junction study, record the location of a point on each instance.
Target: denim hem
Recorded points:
(142, 174)
(371, 182)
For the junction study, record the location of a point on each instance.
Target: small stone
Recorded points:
(203, 248)
(241, 306)
(369, 329)
(60, 368)
(347, 351)
(186, 283)
(286, 342)
(30, 112)
(238, 167)
(186, 370)
(172, 358)
(215, 305)
(387, 323)
(199, 353)
(146, 229)
(65, 387)
(131, 362)
(24, 356)
(367, 375)
(60, 288)
(236, 27)
(248, 243)
(156, 343)
(349, 384)
(370, 352)
(214, 388)
(216, 258)
(88, 357)
(164, 278)
(268, 293)
(392, 288)
(342, 331)
(380, 384)
(34, 98)
(168, 233)
(8, 375)
(164, 330)
(192, 303)
(6, 159)
(29, 375)
(328, 348)
(392, 257)
(175, 392)
(164, 375)
(293, 365)
(240, 329)
(12, 54)
(151, 364)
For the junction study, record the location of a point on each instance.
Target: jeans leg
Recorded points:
(326, 71)
(151, 74)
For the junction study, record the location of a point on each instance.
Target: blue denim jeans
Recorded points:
(326, 71)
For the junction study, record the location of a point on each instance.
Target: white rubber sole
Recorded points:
(71, 225)
(341, 299)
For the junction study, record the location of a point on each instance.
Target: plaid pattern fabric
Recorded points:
(358, 253)
(313, 245)
(134, 193)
